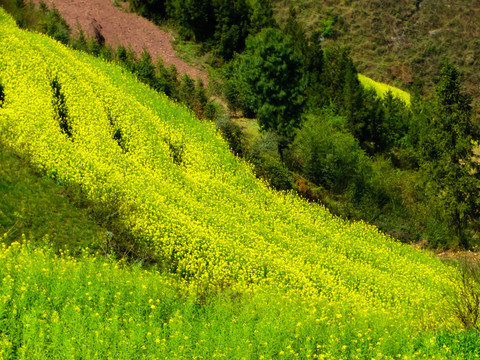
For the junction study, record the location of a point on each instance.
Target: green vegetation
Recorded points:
(448, 153)
(236, 269)
(395, 187)
(92, 307)
(48, 21)
(398, 42)
(41, 209)
(221, 25)
(268, 82)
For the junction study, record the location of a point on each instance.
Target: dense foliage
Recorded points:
(268, 82)
(222, 24)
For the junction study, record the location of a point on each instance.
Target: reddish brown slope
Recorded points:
(121, 28)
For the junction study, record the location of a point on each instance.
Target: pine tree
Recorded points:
(272, 81)
(145, 70)
(452, 175)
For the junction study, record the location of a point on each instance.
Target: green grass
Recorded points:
(38, 207)
(91, 307)
(249, 127)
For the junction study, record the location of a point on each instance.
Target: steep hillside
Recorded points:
(398, 41)
(119, 27)
(198, 212)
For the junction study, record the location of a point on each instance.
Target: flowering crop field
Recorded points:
(272, 274)
(382, 88)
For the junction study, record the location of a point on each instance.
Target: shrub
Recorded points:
(465, 302)
(2, 95)
(235, 138)
(272, 170)
(60, 107)
(330, 158)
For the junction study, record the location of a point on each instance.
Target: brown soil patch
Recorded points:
(119, 27)
(461, 256)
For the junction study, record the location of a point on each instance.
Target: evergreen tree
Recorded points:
(152, 9)
(271, 82)
(394, 127)
(187, 91)
(56, 26)
(145, 70)
(126, 57)
(362, 108)
(232, 25)
(167, 79)
(297, 33)
(452, 175)
(261, 16)
(314, 60)
(196, 18)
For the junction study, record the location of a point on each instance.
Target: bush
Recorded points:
(465, 302)
(60, 106)
(210, 110)
(235, 138)
(55, 26)
(330, 158)
(272, 170)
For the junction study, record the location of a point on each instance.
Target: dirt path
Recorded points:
(119, 27)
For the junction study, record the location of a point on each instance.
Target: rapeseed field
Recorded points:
(246, 272)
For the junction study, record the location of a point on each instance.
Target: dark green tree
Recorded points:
(145, 70)
(232, 25)
(308, 48)
(55, 26)
(297, 34)
(167, 79)
(126, 57)
(196, 18)
(362, 108)
(338, 72)
(261, 16)
(314, 60)
(395, 126)
(451, 173)
(271, 82)
(152, 9)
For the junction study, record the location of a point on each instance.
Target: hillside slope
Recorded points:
(197, 210)
(397, 42)
(119, 27)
